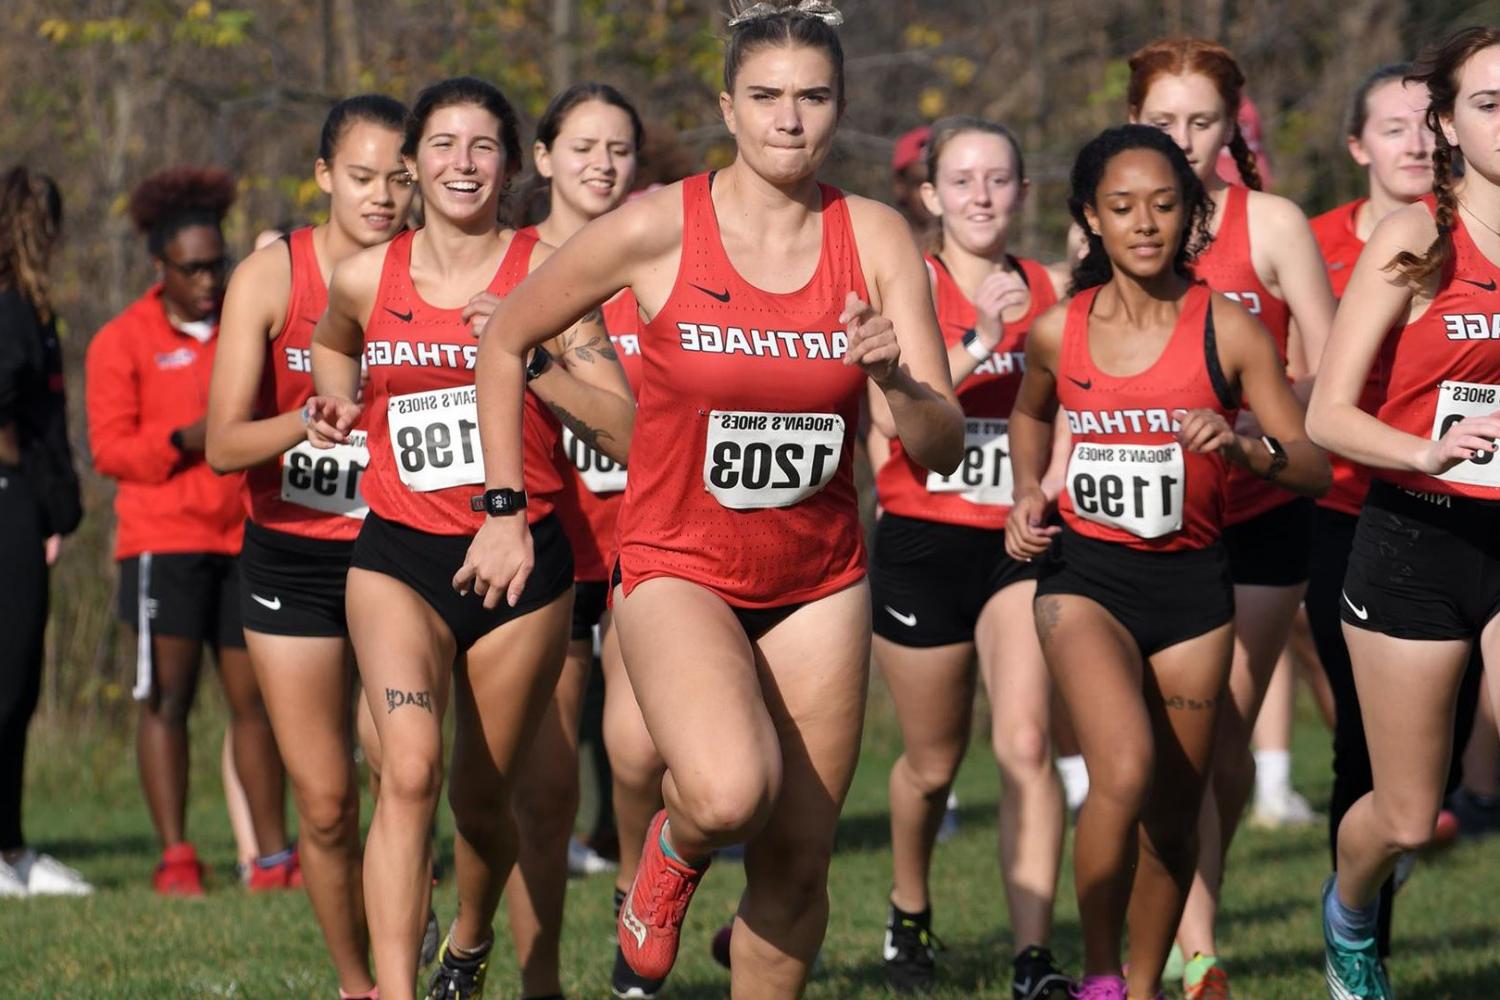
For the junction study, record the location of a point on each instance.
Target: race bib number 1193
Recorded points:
(753, 461)
(326, 479)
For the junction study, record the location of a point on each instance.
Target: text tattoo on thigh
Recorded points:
(1046, 610)
(395, 699)
(1191, 704)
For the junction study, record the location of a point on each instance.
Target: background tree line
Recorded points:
(100, 93)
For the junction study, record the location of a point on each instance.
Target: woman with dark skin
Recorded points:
(180, 525)
(1135, 607)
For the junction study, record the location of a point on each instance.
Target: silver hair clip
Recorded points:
(820, 9)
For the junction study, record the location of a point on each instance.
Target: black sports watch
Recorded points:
(1278, 457)
(539, 363)
(498, 503)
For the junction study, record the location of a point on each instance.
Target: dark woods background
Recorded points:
(99, 94)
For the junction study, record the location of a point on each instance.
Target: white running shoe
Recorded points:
(584, 860)
(1283, 809)
(12, 885)
(949, 828)
(47, 876)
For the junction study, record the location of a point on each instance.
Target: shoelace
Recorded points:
(1366, 979)
(907, 934)
(670, 894)
(1213, 986)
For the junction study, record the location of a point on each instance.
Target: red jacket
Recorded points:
(145, 379)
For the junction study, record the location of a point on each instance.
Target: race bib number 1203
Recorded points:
(753, 461)
(435, 436)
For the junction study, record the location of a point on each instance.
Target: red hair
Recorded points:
(1184, 56)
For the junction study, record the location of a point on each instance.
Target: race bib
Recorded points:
(1457, 400)
(326, 479)
(757, 460)
(435, 436)
(984, 475)
(600, 473)
(1135, 487)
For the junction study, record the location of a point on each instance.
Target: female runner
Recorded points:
(411, 309)
(741, 606)
(1262, 255)
(942, 589)
(305, 505)
(1423, 584)
(1134, 602)
(586, 150)
(180, 525)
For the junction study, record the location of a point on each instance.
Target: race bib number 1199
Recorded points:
(753, 461)
(1135, 487)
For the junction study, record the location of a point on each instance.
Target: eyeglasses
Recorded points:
(197, 268)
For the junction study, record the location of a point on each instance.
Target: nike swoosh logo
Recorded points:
(1489, 287)
(721, 296)
(1085, 385)
(633, 925)
(888, 950)
(1023, 988)
(909, 620)
(274, 604)
(1337, 265)
(403, 317)
(1359, 612)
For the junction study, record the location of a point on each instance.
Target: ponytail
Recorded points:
(1417, 268)
(1244, 159)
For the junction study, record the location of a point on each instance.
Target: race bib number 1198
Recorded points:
(757, 460)
(435, 436)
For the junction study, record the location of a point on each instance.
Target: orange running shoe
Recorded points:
(651, 919)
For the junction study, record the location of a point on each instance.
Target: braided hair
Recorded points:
(171, 200)
(1438, 68)
(30, 224)
(1181, 56)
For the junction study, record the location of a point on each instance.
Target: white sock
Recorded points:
(1273, 773)
(1075, 778)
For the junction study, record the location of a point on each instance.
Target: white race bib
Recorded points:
(1136, 487)
(326, 479)
(600, 473)
(435, 436)
(757, 460)
(984, 475)
(1457, 400)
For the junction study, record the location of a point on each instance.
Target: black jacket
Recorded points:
(32, 398)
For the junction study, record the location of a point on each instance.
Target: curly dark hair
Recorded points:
(30, 225)
(171, 200)
(1088, 171)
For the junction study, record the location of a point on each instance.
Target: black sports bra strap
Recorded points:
(1222, 389)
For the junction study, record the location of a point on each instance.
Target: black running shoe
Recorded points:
(627, 985)
(459, 978)
(1035, 976)
(1478, 815)
(909, 953)
(430, 939)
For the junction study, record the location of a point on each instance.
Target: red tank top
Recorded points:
(307, 491)
(741, 472)
(978, 493)
(1340, 246)
(1129, 481)
(593, 484)
(1227, 267)
(1445, 365)
(425, 460)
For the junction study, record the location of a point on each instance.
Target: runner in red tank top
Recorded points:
(410, 310)
(305, 505)
(1262, 253)
(179, 526)
(1423, 585)
(741, 559)
(586, 148)
(1149, 367)
(944, 595)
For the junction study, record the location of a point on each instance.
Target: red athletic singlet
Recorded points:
(593, 484)
(978, 493)
(1445, 365)
(1337, 241)
(425, 460)
(307, 492)
(1129, 481)
(741, 470)
(1227, 268)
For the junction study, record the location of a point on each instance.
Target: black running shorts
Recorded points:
(1273, 549)
(427, 564)
(1424, 565)
(290, 585)
(930, 581)
(1162, 598)
(187, 595)
(590, 599)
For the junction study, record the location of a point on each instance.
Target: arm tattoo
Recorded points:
(590, 436)
(1047, 610)
(395, 699)
(594, 345)
(1191, 704)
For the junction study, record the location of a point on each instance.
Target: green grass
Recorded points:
(84, 806)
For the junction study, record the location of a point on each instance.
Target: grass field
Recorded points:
(84, 806)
